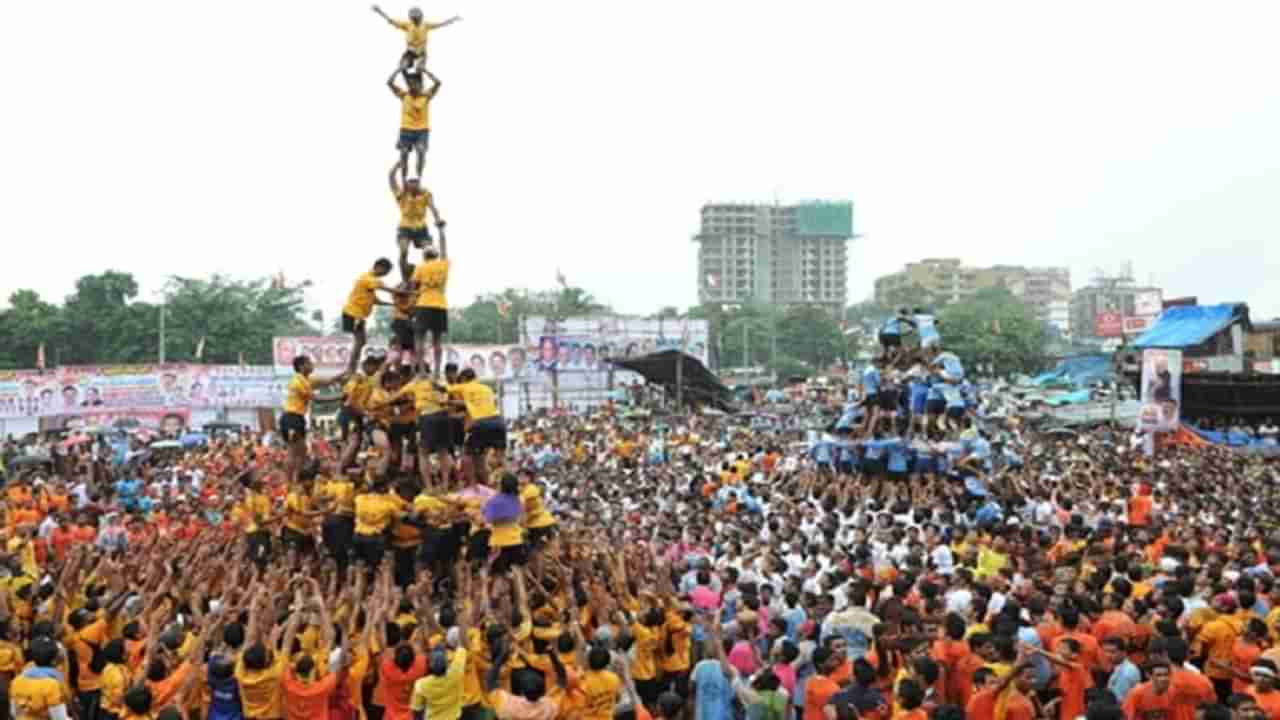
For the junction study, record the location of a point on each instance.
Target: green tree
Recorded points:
(27, 322)
(811, 335)
(994, 327)
(104, 325)
(233, 316)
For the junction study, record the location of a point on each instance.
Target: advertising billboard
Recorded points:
(1161, 390)
(1108, 325)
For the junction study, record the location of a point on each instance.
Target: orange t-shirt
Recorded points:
(1073, 682)
(303, 700)
(1269, 702)
(1140, 510)
(983, 706)
(395, 686)
(1144, 704)
(1243, 656)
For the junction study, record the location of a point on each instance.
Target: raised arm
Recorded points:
(391, 178)
(378, 11)
(446, 23)
(391, 84)
(444, 244)
(435, 84)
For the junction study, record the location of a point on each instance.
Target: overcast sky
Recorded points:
(252, 137)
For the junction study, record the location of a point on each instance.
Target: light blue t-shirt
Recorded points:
(871, 381)
(1123, 680)
(714, 694)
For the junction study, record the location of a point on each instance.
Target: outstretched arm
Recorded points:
(378, 11)
(391, 178)
(445, 23)
(435, 212)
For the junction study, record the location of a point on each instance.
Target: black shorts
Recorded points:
(435, 433)
(402, 333)
(509, 557)
(369, 549)
(490, 433)
(400, 432)
(292, 426)
(351, 324)
(350, 421)
(294, 540)
(420, 237)
(935, 407)
(677, 681)
(890, 341)
(431, 320)
(955, 413)
(413, 140)
(888, 399)
(649, 690)
(478, 548)
(541, 535)
(458, 430)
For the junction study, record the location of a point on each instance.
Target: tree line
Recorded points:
(219, 319)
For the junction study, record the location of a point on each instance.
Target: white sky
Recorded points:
(248, 137)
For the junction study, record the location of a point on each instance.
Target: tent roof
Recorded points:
(697, 382)
(1183, 326)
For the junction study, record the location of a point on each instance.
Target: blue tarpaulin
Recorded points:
(1231, 439)
(1077, 371)
(1182, 326)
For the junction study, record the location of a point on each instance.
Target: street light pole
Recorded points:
(164, 303)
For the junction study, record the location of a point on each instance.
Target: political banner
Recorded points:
(330, 356)
(584, 344)
(81, 390)
(1161, 390)
(1108, 325)
(163, 420)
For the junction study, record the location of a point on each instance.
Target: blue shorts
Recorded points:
(917, 403)
(413, 140)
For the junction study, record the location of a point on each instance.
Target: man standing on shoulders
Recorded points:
(431, 314)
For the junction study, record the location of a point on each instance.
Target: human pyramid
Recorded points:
(398, 401)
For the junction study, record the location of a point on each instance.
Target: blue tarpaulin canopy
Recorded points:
(1183, 326)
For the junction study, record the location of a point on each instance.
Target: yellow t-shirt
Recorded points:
(535, 510)
(95, 633)
(427, 399)
(601, 688)
(441, 697)
(298, 396)
(115, 681)
(257, 510)
(31, 697)
(360, 301)
(432, 509)
(432, 279)
(506, 534)
(357, 391)
(480, 400)
(374, 513)
(260, 692)
(645, 652)
(415, 36)
(11, 660)
(343, 495)
(413, 208)
(415, 112)
(296, 505)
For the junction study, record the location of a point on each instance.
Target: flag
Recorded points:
(200, 349)
(560, 279)
(713, 280)
(40, 356)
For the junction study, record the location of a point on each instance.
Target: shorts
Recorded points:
(955, 413)
(458, 431)
(478, 548)
(352, 324)
(490, 433)
(411, 56)
(431, 320)
(440, 546)
(350, 421)
(413, 140)
(889, 400)
(897, 475)
(292, 427)
(935, 407)
(874, 466)
(435, 433)
(369, 549)
(510, 557)
(890, 341)
(677, 681)
(917, 404)
(420, 237)
(402, 333)
(400, 432)
(649, 690)
(294, 540)
(541, 535)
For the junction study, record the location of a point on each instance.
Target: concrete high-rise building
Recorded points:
(1114, 306)
(775, 254)
(942, 281)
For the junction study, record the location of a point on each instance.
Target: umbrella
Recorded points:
(75, 440)
(228, 426)
(1060, 433)
(167, 445)
(29, 461)
(191, 440)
